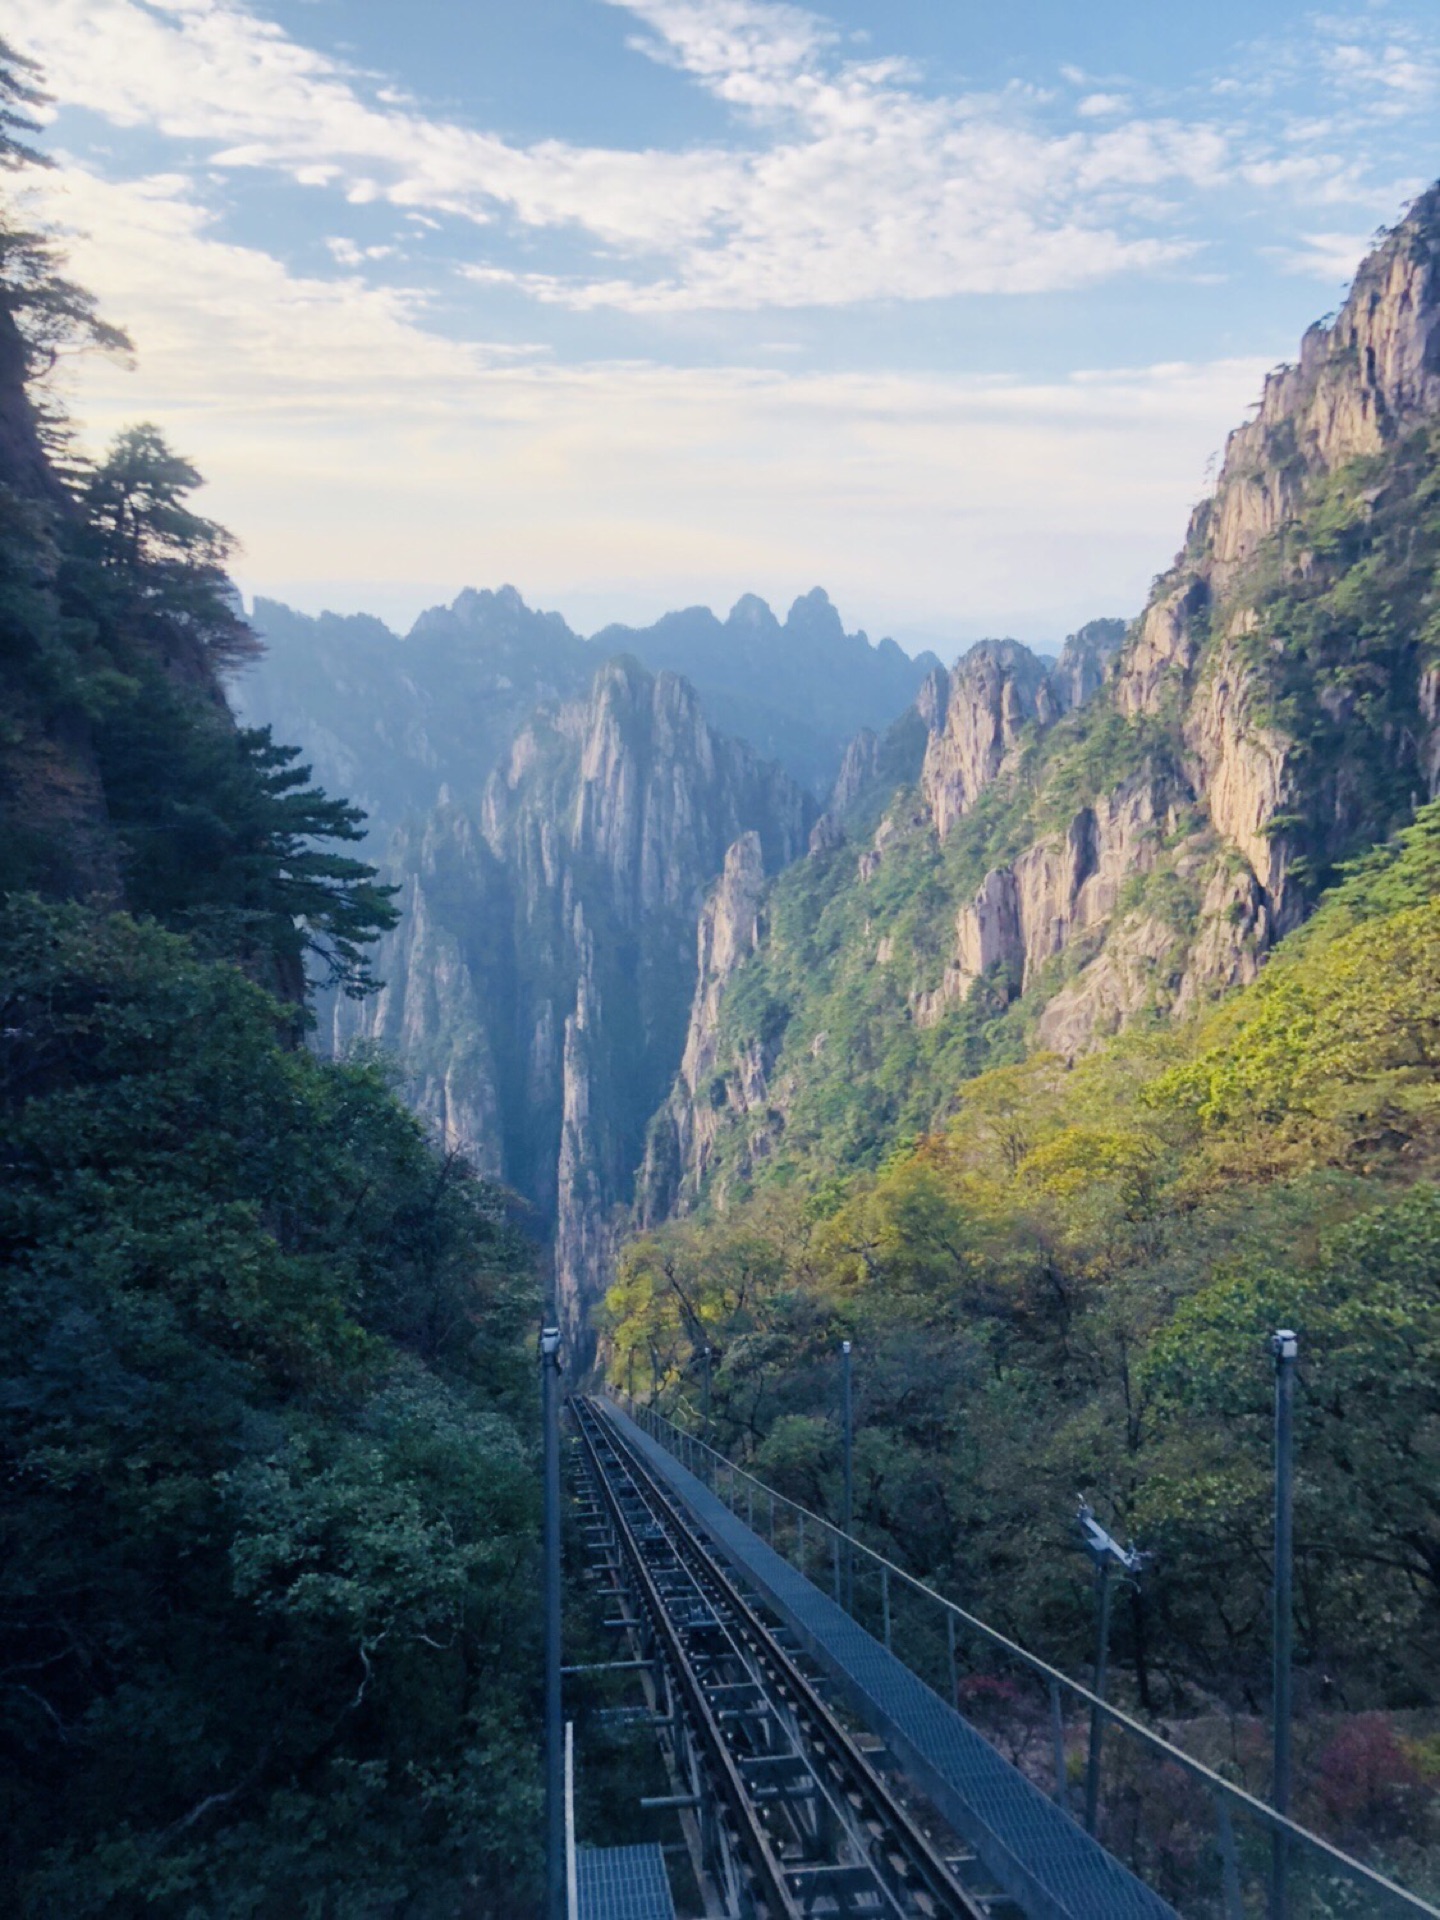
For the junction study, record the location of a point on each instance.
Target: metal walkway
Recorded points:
(1035, 1851)
(622, 1883)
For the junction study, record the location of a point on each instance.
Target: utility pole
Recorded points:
(555, 1872)
(1285, 1347)
(847, 1511)
(1107, 1554)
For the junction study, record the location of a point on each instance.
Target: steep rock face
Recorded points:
(796, 689)
(1061, 887)
(539, 984)
(1359, 387)
(980, 712)
(394, 722)
(1128, 830)
(682, 1135)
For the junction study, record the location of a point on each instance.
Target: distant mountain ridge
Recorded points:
(392, 721)
(797, 691)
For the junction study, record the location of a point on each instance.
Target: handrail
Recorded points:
(1280, 1823)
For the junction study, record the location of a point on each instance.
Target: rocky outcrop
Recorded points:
(976, 718)
(1084, 662)
(1165, 798)
(540, 982)
(682, 1136)
(1029, 913)
(1359, 386)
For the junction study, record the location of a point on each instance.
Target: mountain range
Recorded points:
(390, 721)
(641, 969)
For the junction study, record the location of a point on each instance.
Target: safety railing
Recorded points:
(1206, 1845)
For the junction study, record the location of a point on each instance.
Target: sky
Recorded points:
(636, 304)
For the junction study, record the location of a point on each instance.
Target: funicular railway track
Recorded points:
(808, 1826)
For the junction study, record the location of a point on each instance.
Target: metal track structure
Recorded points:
(791, 1818)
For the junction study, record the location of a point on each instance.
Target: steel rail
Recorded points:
(913, 1857)
(770, 1886)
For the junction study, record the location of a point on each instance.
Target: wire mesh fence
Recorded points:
(1199, 1839)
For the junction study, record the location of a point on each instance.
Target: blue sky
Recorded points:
(636, 303)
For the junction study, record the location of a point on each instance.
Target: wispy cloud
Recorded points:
(854, 181)
(1331, 257)
(349, 443)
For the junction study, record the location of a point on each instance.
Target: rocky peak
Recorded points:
(993, 693)
(1079, 673)
(857, 770)
(541, 981)
(751, 611)
(1361, 384)
(815, 615)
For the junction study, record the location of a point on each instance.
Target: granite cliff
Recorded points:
(537, 987)
(1039, 853)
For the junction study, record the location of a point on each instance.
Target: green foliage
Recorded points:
(1333, 1054)
(267, 1497)
(1345, 621)
(1068, 1285)
(267, 1493)
(219, 826)
(168, 560)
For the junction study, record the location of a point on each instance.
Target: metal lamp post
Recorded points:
(847, 1509)
(555, 1889)
(1285, 1347)
(1107, 1554)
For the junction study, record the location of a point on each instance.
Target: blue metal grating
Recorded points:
(1047, 1863)
(622, 1883)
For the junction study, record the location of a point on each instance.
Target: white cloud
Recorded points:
(863, 186)
(1397, 77)
(348, 443)
(1099, 106)
(1331, 257)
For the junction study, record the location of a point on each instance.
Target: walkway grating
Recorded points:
(622, 1883)
(1046, 1862)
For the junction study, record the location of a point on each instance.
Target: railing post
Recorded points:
(847, 1510)
(885, 1600)
(1057, 1736)
(800, 1538)
(1229, 1860)
(835, 1556)
(954, 1667)
(1097, 1718)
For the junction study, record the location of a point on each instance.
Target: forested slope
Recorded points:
(1061, 1078)
(266, 1489)
(1069, 1288)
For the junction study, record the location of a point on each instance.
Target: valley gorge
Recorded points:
(639, 967)
(701, 1266)
(536, 989)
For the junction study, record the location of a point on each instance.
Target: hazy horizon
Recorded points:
(647, 303)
